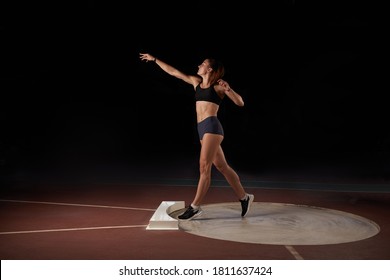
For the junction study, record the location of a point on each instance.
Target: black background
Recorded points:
(74, 91)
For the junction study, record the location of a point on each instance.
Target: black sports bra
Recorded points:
(207, 94)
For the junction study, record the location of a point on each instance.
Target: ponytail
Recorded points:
(218, 70)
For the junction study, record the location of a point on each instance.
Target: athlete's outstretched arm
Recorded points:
(190, 79)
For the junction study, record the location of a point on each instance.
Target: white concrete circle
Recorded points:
(278, 224)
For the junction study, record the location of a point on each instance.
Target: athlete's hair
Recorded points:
(218, 70)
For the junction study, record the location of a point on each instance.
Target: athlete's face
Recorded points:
(204, 67)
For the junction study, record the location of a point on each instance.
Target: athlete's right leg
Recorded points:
(231, 176)
(234, 181)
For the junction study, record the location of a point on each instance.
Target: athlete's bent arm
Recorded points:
(234, 96)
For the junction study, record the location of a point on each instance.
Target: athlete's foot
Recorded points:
(190, 213)
(246, 204)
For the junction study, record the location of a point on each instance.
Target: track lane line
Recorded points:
(77, 204)
(294, 252)
(68, 229)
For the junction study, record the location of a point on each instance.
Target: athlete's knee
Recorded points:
(204, 167)
(221, 166)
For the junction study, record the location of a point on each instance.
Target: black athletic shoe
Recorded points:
(190, 213)
(246, 204)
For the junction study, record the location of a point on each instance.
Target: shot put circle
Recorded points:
(278, 224)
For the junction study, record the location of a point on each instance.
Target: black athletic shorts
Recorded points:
(210, 125)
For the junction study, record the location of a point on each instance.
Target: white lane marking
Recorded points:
(76, 204)
(293, 252)
(69, 229)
